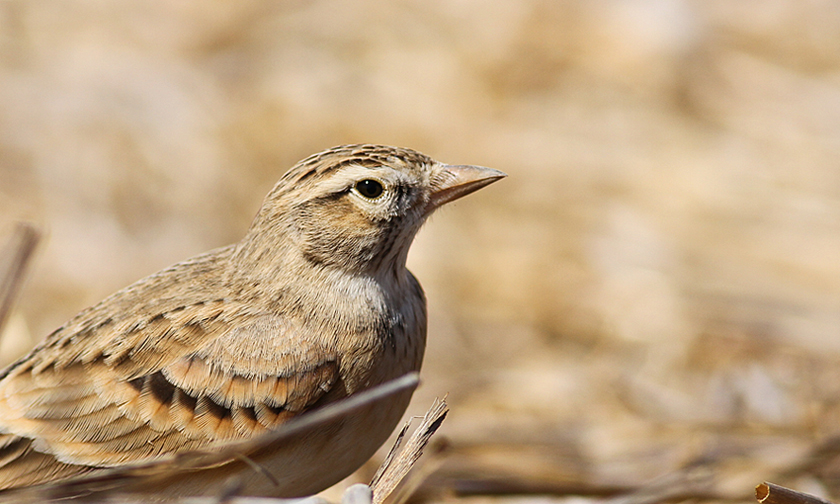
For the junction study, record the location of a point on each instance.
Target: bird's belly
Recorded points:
(306, 464)
(334, 452)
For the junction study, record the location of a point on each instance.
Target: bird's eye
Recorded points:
(369, 188)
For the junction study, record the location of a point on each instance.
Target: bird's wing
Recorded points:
(134, 377)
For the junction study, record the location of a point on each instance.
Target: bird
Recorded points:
(314, 304)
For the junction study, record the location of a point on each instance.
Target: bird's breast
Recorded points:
(385, 336)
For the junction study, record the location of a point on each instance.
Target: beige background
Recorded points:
(653, 290)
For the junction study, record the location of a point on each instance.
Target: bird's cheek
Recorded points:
(337, 233)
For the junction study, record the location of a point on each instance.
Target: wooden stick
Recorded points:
(394, 469)
(769, 493)
(21, 245)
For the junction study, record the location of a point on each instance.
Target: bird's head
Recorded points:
(358, 207)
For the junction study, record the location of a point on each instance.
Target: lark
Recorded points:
(313, 305)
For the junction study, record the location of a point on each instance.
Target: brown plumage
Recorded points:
(314, 304)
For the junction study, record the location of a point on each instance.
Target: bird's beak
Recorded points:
(455, 181)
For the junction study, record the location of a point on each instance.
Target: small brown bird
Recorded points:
(314, 304)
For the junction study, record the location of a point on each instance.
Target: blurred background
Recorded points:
(647, 309)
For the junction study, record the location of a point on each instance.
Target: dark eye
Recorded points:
(369, 188)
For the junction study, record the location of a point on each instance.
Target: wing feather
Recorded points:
(160, 366)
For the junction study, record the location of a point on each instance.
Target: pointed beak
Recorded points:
(455, 181)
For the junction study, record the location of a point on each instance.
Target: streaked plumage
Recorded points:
(314, 304)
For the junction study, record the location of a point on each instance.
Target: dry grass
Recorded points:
(646, 309)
